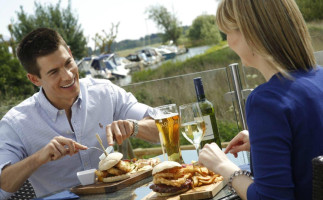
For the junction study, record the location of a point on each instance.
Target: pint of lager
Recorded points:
(167, 122)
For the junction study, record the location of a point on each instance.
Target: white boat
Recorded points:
(117, 68)
(91, 66)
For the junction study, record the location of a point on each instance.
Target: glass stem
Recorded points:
(197, 147)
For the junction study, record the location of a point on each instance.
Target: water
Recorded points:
(191, 53)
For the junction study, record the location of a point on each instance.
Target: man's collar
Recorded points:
(51, 110)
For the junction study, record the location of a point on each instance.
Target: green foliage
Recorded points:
(130, 44)
(204, 29)
(139, 143)
(166, 22)
(13, 79)
(316, 32)
(311, 9)
(62, 20)
(227, 130)
(104, 42)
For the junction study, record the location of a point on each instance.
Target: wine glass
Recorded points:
(192, 124)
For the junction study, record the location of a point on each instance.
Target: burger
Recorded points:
(112, 168)
(170, 178)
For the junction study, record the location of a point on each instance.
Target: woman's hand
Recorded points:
(213, 158)
(239, 143)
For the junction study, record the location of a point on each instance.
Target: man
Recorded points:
(62, 119)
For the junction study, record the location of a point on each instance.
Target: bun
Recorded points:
(116, 178)
(111, 160)
(165, 165)
(172, 193)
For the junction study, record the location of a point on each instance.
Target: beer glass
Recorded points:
(192, 124)
(167, 121)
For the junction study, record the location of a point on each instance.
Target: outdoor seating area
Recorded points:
(159, 102)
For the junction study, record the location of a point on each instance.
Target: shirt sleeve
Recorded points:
(271, 146)
(4, 194)
(9, 151)
(127, 106)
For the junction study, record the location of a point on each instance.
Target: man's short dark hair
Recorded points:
(39, 42)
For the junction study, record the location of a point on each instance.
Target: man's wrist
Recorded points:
(135, 127)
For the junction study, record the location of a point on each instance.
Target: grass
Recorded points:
(316, 32)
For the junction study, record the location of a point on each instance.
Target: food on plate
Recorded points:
(203, 176)
(112, 168)
(145, 164)
(171, 178)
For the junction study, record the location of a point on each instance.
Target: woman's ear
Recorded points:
(34, 79)
(70, 52)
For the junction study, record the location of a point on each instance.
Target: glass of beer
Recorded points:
(167, 121)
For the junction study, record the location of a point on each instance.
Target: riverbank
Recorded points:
(192, 52)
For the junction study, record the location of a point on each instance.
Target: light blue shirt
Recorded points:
(31, 125)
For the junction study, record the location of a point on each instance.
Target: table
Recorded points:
(141, 189)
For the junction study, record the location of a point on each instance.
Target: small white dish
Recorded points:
(86, 177)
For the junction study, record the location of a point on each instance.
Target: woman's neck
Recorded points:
(266, 68)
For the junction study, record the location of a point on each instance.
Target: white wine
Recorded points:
(207, 109)
(193, 132)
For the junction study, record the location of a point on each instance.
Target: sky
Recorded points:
(97, 15)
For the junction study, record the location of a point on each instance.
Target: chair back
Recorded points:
(26, 192)
(317, 165)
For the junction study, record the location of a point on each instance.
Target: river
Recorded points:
(191, 53)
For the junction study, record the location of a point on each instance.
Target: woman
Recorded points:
(285, 114)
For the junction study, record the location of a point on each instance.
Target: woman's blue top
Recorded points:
(285, 121)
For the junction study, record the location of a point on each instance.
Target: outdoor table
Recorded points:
(141, 189)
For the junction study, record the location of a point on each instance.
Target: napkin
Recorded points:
(61, 195)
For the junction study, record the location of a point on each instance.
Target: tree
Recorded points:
(165, 21)
(11, 41)
(62, 20)
(204, 29)
(105, 41)
(13, 79)
(311, 9)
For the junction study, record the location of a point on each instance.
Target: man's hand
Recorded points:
(13, 176)
(57, 148)
(239, 143)
(119, 130)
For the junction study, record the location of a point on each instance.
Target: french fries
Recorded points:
(203, 176)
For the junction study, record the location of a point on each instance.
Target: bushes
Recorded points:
(14, 84)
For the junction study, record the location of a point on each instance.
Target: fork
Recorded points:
(96, 149)
(108, 150)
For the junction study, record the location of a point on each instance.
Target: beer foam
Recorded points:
(164, 116)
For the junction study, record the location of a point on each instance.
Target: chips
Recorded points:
(203, 176)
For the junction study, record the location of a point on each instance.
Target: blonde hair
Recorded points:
(274, 29)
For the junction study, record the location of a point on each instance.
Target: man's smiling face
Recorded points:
(59, 78)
